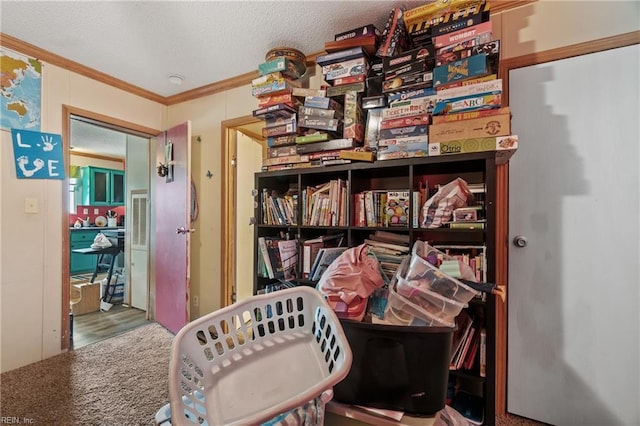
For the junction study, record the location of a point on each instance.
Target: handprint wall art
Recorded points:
(37, 155)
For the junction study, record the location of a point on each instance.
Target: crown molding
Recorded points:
(51, 58)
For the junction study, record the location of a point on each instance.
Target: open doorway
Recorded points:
(242, 143)
(106, 191)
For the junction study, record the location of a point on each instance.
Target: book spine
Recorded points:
(265, 256)
(483, 353)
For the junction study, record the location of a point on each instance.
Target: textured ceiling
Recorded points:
(90, 138)
(143, 42)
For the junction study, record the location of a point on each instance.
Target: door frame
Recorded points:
(502, 250)
(67, 112)
(229, 189)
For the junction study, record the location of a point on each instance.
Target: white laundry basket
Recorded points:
(257, 360)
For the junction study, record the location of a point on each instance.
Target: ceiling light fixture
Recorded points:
(176, 79)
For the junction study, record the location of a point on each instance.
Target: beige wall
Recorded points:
(31, 266)
(30, 248)
(249, 161)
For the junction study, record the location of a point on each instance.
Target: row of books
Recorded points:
(468, 346)
(310, 250)
(278, 258)
(390, 250)
(325, 204)
(382, 208)
(278, 209)
(473, 256)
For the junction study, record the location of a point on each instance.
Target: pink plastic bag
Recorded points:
(349, 281)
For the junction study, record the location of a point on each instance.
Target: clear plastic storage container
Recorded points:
(433, 279)
(401, 311)
(439, 306)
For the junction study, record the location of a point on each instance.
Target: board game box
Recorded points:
(497, 125)
(499, 143)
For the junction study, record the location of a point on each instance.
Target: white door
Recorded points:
(574, 197)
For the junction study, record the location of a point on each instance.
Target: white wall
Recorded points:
(31, 264)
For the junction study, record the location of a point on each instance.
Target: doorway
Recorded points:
(240, 138)
(92, 139)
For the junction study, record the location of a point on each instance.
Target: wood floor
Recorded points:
(96, 326)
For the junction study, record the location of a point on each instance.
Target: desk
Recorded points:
(116, 248)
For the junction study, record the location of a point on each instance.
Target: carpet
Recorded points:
(119, 381)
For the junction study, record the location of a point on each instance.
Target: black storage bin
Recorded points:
(396, 368)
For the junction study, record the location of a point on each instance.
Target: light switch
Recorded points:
(31, 205)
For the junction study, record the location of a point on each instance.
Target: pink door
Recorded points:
(172, 215)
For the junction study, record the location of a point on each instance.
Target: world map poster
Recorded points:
(21, 90)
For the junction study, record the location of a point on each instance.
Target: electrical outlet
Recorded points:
(196, 301)
(31, 205)
(96, 211)
(85, 211)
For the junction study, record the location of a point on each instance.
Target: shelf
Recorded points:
(410, 175)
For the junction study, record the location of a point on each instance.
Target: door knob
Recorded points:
(182, 230)
(520, 241)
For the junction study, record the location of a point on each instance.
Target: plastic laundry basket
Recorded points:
(256, 359)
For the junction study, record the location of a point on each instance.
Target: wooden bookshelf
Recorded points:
(402, 175)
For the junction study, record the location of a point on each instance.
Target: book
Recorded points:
(310, 249)
(395, 247)
(463, 324)
(390, 237)
(325, 257)
(275, 261)
(397, 208)
(289, 257)
(465, 348)
(264, 252)
(483, 353)
(473, 351)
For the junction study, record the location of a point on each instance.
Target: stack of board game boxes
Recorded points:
(278, 106)
(443, 96)
(427, 85)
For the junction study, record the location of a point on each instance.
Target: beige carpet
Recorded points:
(119, 381)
